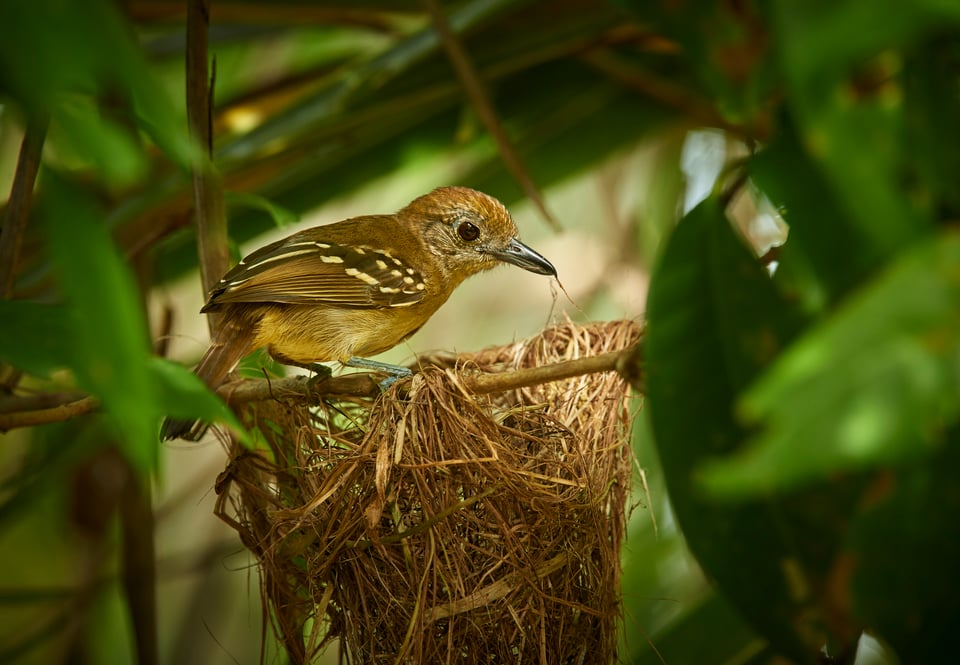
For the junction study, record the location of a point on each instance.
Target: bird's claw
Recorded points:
(392, 378)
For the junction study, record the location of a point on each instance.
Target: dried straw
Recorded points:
(430, 525)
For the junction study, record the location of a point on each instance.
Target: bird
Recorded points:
(353, 289)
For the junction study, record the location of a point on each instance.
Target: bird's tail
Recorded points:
(234, 340)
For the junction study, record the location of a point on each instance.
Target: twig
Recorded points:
(15, 220)
(21, 197)
(35, 402)
(57, 414)
(481, 102)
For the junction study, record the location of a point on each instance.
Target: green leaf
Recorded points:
(847, 94)
(181, 394)
(875, 383)
(80, 53)
(837, 28)
(714, 321)
(107, 341)
(84, 138)
(32, 336)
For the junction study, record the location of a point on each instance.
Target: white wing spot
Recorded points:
(332, 259)
(382, 265)
(322, 245)
(389, 289)
(420, 286)
(362, 276)
(410, 271)
(408, 280)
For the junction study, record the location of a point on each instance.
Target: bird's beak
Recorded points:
(520, 255)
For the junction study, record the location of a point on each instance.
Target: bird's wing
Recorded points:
(300, 270)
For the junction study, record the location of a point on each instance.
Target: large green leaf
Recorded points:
(847, 97)
(81, 53)
(876, 383)
(107, 340)
(714, 321)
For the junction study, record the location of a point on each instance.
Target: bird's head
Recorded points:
(470, 231)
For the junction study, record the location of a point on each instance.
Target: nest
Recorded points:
(432, 525)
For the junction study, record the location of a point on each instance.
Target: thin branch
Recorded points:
(15, 220)
(21, 198)
(212, 240)
(300, 389)
(37, 401)
(481, 102)
(57, 414)
(304, 390)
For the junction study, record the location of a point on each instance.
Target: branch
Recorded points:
(304, 390)
(481, 384)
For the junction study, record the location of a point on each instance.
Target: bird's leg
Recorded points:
(395, 371)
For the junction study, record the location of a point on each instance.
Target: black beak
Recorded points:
(520, 255)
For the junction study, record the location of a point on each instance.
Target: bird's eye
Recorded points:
(468, 231)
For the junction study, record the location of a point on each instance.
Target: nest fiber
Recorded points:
(433, 525)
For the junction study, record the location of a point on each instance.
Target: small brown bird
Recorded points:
(356, 288)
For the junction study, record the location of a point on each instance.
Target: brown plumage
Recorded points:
(355, 288)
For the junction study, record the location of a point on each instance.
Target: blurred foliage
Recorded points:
(806, 423)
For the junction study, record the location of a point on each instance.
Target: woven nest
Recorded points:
(432, 525)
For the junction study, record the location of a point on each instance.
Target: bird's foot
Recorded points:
(393, 372)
